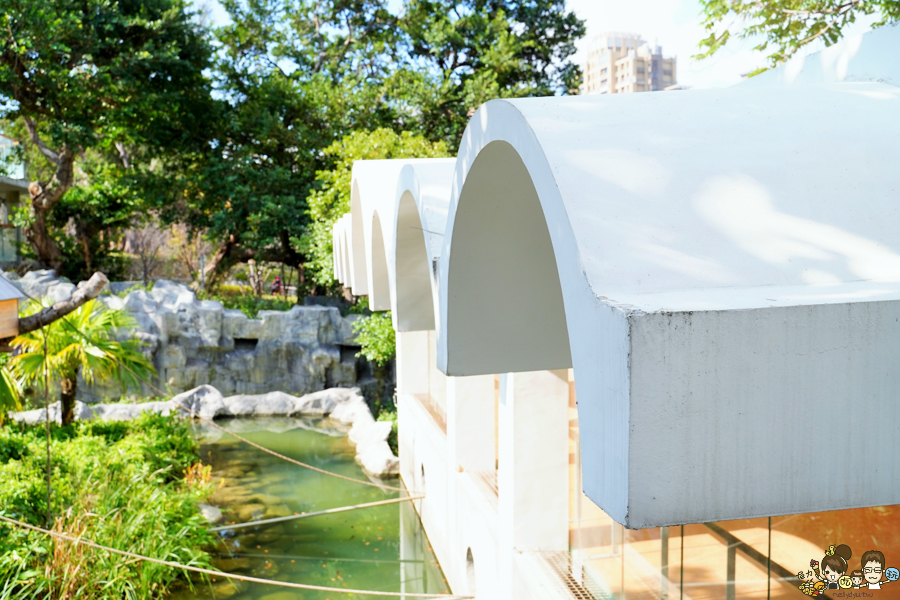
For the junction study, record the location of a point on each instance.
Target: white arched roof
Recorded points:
(421, 199)
(721, 268)
(373, 205)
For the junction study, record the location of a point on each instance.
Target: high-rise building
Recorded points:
(619, 63)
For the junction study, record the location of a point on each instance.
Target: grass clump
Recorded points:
(132, 486)
(246, 302)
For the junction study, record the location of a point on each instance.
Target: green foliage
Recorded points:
(91, 218)
(298, 77)
(119, 484)
(331, 200)
(787, 25)
(473, 51)
(375, 335)
(10, 389)
(101, 72)
(97, 90)
(82, 343)
(247, 303)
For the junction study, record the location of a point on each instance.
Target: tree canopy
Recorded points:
(296, 77)
(785, 26)
(233, 130)
(117, 78)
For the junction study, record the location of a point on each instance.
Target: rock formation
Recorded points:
(198, 342)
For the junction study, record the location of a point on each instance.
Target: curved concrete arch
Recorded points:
(379, 272)
(337, 251)
(686, 230)
(422, 197)
(504, 303)
(375, 183)
(358, 276)
(346, 246)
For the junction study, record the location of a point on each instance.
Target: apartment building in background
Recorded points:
(620, 63)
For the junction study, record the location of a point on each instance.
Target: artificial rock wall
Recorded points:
(199, 342)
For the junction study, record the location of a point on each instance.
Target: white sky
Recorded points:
(673, 24)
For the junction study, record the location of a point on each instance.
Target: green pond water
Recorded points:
(382, 548)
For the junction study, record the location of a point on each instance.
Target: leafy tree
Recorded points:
(787, 25)
(331, 200)
(81, 344)
(297, 76)
(119, 78)
(476, 50)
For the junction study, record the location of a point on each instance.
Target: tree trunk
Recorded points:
(228, 255)
(38, 235)
(67, 399)
(45, 195)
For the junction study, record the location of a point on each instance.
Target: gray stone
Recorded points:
(205, 401)
(172, 357)
(211, 513)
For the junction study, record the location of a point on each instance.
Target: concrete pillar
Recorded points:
(412, 379)
(533, 476)
(412, 362)
(470, 422)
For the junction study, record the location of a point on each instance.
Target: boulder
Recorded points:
(273, 403)
(211, 513)
(378, 460)
(205, 401)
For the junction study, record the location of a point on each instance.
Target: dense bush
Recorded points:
(376, 338)
(122, 485)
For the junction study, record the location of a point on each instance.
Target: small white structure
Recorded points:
(9, 308)
(720, 270)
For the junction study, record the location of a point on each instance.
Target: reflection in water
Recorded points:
(381, 548)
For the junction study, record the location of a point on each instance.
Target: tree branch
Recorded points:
(36, 138)
(88, 291)
(840, 9)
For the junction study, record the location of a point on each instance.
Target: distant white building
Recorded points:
(645, 348)
(621, 63)
(13, 184)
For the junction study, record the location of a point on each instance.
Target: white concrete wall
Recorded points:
(738, 414)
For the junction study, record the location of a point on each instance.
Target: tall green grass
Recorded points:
(121, 485)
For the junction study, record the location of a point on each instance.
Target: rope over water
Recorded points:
(298, 586)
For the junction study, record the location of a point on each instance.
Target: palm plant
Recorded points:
(82, 343)
(10, 390)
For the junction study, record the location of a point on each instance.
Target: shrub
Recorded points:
(376, 338)
(121, 485)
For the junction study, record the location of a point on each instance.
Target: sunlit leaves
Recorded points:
(785, 26)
